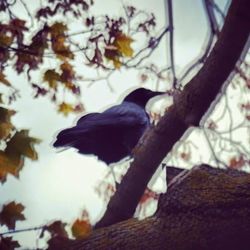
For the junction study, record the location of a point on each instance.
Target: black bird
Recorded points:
(112, 134)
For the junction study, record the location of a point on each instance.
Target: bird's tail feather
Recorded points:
(68, 137)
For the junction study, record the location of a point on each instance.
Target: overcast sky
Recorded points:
(60, 185)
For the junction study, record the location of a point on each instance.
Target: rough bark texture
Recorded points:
(204, 208)
(187, 111)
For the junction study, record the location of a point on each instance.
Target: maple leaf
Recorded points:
(6, 243)
(22, 144)
(65, 108)
(10, 164)
(3, 79)
(5, 124)
(52, 77)
(11, 213)
(56, 228)
(57, 31)
(123, 44)
(81, 229)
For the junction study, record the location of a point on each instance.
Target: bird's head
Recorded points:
(141, 96)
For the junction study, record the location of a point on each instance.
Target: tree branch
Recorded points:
(205, 208)
(188, 109)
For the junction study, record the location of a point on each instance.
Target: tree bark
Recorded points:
(205, 208)
(187, 111)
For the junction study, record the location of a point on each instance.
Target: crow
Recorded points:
(112, 134)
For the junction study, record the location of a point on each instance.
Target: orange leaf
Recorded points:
(81, 229)
(11, 213)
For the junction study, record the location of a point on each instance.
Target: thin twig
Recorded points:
(169, 7)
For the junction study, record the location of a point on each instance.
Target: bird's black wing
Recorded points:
(123, 116)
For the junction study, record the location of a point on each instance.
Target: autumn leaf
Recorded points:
(65, 108)
(3, 79)
(237, 163)
(58, 41)
(10, 164)
(22, 144)
(5, 124)
(112, 53)
(52, 77)
(7, 243)
(67, 75)
(58, 28)
(81, 229)
(11, 213)
(123, 44)
(56, 228)
(5, 129)
(5, 40)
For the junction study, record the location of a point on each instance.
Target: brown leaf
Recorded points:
(237, 163)
(5, 129)
(11, 213)
(58, 28)
(5, 124)
(3, 79)
(52, 77)
(8, 243)
(22, 144)
(10, 164)
(5, 40)
(56, 228)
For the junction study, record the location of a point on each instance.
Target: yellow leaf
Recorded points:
(22, 144)
(65, 108)
(81, 229)
(3, 79)
(52, 77)
(123, 44)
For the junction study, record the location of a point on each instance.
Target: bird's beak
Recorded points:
(156, 93)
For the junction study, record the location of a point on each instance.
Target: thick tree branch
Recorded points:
(187, 111)
(205, 208)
